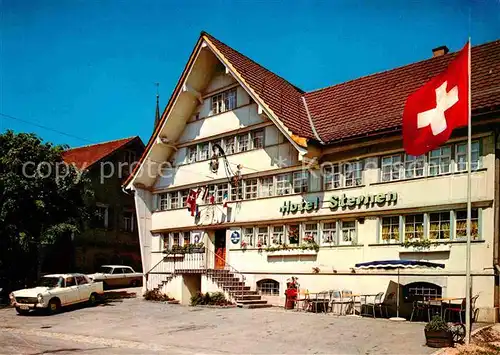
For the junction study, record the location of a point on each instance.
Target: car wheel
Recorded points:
(93, 299)
(134, 283)
(54, 306)
(22, 312)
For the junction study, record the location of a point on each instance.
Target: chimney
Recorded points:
(439, 51)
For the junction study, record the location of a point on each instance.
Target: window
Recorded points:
(129, 158)
(417, 291)
(262, 235)
(166, 240)
(210, 193)
(191, 154)
(237, 192)
(311, 233)
(266, 187)
(439, 161)
(414, 166)
(174, 200)
(257, 139)
(278, 235)
(222, 191)
(331, 177)
(251, 188)
(128, 221)
(348, 232)
(163, 202)
(283, 184)
(82, 280)
(391, 167)
(390, 229)
(176, 239)
(293, 233)
(184, 196)
(414, 226)
(186, 238)
(225, 101)
(461, 224)
(353, 173)
(101, 216)
(243, 142)
(268, 287)
(248, 236)
(203, 151)
(229, 145)
(300, 181)
(70, 281)
(461, 156)
(439, 226)
(329, 233)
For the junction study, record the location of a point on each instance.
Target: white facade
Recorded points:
(381, 210)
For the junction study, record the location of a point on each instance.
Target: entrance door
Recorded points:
(220, 248)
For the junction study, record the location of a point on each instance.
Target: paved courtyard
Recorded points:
(136, 326)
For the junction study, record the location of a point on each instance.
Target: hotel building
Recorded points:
(311, 183)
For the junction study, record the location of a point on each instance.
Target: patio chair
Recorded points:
(419, 308)
(322, 300)
(377, 304)
(390, 301)
(303, 300)
(349, 302)
(451, 309)
(335, 300)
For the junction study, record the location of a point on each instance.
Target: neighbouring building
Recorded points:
(111, 236)
(311, 183)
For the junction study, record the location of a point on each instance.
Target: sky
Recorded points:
(87, 69)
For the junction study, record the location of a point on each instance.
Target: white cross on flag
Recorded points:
(439, 106)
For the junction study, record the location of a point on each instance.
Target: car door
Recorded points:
(121, 277)
(84, 288)
(71, 294)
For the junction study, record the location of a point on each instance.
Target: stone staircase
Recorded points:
(237, 289)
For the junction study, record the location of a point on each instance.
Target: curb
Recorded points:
(474, 332)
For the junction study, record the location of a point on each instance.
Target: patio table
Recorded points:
(439, 302)
(315, 301)
(364, 296)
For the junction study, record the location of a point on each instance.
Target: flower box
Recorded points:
(434, 248)
(291, 252)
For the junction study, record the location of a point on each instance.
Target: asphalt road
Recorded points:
(136, 326)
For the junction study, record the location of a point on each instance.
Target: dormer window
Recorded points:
(224, 101)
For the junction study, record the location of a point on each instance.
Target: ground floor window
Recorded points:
(439, 226)
(268, 287)
(248, 235)
(461, 224)
(414, 226)
(262, 235)
(329, 233)
(390, 229)
(293, 232)
(278, 235)
(348, 234)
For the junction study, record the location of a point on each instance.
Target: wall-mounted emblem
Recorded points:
(235, 237)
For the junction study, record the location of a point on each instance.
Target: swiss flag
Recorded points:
(441, 105)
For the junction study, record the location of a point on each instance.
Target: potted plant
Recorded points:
(438, 334)
(198, 248)
(244, 245)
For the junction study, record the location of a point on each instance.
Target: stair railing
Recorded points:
(226, 276)
(146, 275)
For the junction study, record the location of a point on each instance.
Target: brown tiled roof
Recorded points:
(84, 157)
(283, 98)
(374, 104)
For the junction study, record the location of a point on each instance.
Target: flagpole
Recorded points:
(469, 212)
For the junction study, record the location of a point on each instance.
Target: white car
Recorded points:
(56, 291)
(117, 275)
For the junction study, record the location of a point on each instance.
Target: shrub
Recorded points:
(437, 324)
(210, 299)
(155, 295)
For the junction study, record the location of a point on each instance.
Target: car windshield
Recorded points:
(51, 282)
(105, 269)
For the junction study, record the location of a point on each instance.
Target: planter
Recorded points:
(198, 250)
(439, 339)
(431, 249)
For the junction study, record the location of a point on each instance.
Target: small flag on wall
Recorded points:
(225, 200)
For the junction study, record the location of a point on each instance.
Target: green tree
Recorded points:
(41, 200)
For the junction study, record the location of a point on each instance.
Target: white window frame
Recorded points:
(192, 153)
(249, 238)
(223, 101)
(332, 233)
(332, 177)
(163, 201)
(440, 158)
(257, 137)
(411, 168)
(395, 162)
(463, 221)
(440, 222)
(237, 193)
(201, 151)
(267, 186)
(284, 186)
(246, 137)
(394, 224)
(357, 177)
(287, 235)
(219, 192)
(173, 200)
(183, 195)
(251, 189)
(261, 236)
(315, 232)
(277, 235)
(232, 143)
(353, 240)
(414, 225)
(300, 181)
(476, 162)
